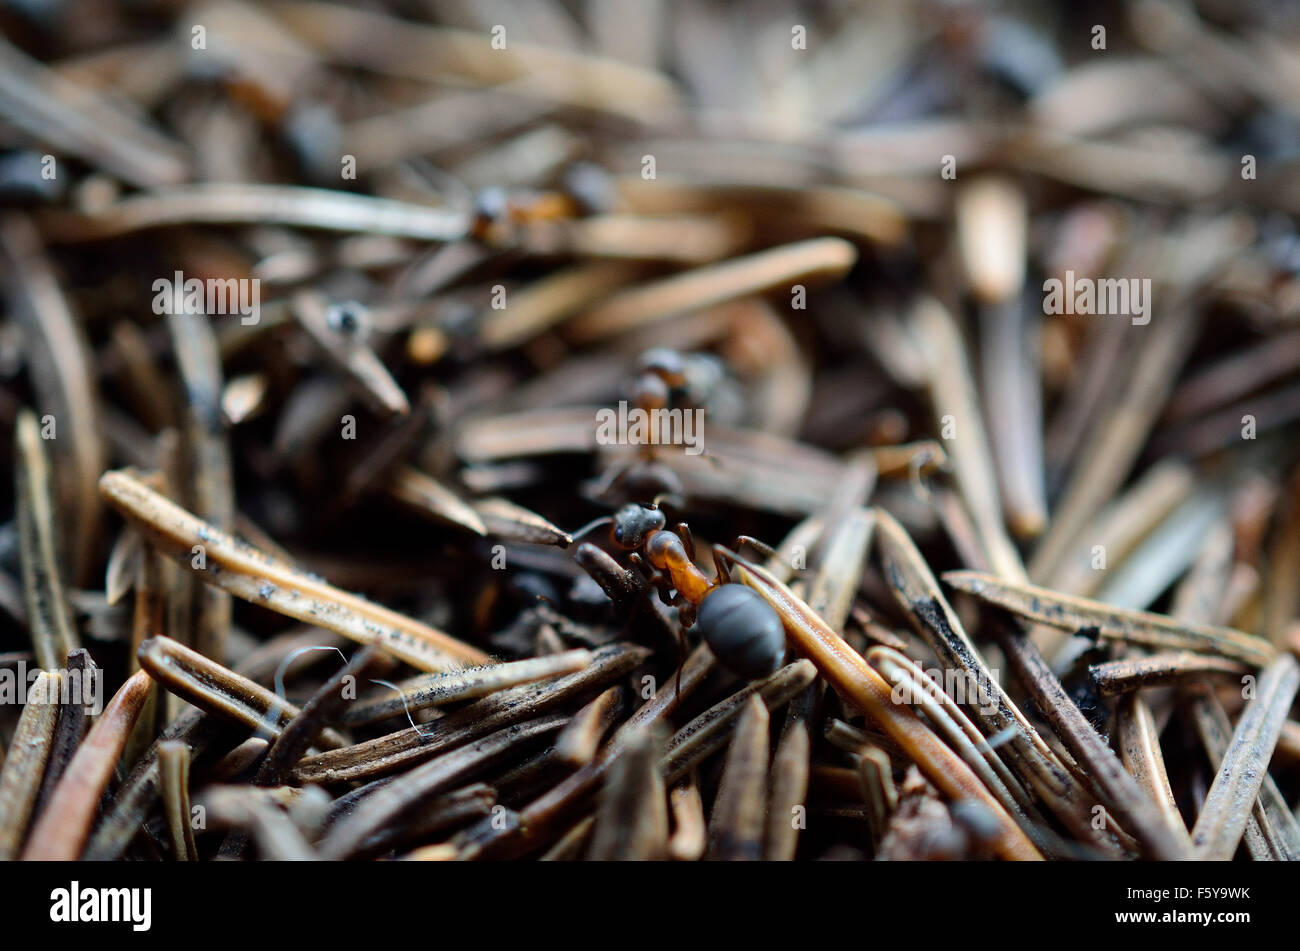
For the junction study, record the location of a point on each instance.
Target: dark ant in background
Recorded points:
(499, 214)
(665, 379)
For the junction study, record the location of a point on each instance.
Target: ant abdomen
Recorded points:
(743, 631)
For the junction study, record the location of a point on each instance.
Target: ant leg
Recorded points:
(720, 558)
(682, 654)
(686, 612)
(684, 533)
(652, 578)
(685, 618)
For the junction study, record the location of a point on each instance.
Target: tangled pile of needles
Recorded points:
(302, 300)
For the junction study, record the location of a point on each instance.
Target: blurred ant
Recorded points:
(742, 630)
(500, 213)
(665, 380)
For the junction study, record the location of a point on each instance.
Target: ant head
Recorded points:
(634, 522)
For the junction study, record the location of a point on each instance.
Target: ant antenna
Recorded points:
(591, 526)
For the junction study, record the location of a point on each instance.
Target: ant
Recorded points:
(501, 214)
(742, 630)
(664, 379)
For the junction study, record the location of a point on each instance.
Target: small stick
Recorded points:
(951, 721)
(788, 793)
(632, 818)
(1272, 832)
(992, 226)
(74, 720)
(62, 830)
(680, 239)
(1136, 812)
(876, 778)
(952, 394)
(20, 781)
(471, 683)
(174, 784)
(231, 204)
(75, 120)
(505, 519)
(52, 633)
(386, 754)
(536, 308)
(1122, 676)
(257, 577)
(579, 741)
(811, 260)
(310, 722)
(711, 730)
(690, 837)
(214, 688)
(1245, 764)
(557, 805)
(408, 789)
(736, 826)
(428, 496)
(210, 481)
(1139, 748)
(851, 211)
(919, 594)
(1134, 627)
(854, 680)
(63, 375)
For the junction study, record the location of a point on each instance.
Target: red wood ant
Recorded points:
(743, 631)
